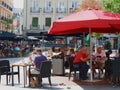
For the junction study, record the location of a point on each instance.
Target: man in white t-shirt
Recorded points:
(99, 59)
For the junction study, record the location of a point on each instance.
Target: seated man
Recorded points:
(99, 59)
(37, 62)
(80, 62)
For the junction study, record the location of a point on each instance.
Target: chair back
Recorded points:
(70, 61)
(4, 66)
(116, 67)
(45, 69)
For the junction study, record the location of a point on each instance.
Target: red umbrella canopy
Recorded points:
(99, 21)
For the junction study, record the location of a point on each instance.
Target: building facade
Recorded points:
(17, 21)
(39, 14)
(5, 15)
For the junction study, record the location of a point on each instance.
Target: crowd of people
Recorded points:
(13, 49)
(82, 58)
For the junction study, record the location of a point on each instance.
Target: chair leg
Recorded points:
(49, 79)
(98, 73)
(69, 75)
(18, 75)
(0, 78)
(19, 78)
(40, 81)
(7, 79)
(29, 81)
(93, 74)
(74, 74)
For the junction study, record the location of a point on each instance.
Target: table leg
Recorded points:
(24, 74)
(12, 78)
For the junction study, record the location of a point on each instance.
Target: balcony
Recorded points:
(33, 10)
(48, 10)
(6, 6)
(3, 18)
(34, 27)
(46, 28)
(61, 10)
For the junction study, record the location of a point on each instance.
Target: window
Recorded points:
(61, 7)
(74, 5)
(35, 5)
(48, 6)
(2, 2)
(35, 21)
(47, 22)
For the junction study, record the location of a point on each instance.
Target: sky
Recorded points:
(18, 3)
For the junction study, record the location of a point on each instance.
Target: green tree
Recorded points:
(112, 5)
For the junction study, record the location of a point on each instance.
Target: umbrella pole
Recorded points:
(91, 73)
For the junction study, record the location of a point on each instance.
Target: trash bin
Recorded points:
(58, 66)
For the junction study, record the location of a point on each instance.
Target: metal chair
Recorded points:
(71, 67)
(115, 71)
(5, 69)
(45, 72)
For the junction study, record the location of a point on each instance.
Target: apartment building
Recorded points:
(5, 15)
(18, 21)
(39, 14)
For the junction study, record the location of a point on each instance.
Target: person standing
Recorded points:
(108, 65)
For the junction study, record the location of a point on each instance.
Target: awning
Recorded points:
(7, 36)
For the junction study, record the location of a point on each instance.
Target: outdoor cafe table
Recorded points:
(24, 72)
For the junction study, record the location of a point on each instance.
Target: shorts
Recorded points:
(34, 71)
(99, 65)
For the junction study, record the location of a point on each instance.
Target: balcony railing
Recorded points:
(48, 10)
(32, 10)
(6, 6)
(61, 10)
(34, 27)
(46, 28)
(4, 18)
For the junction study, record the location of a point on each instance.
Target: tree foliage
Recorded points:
(94, 4)
(112, 5)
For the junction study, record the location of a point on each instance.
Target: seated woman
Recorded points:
(99, 59)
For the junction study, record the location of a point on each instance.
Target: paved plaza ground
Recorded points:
(56, 81)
